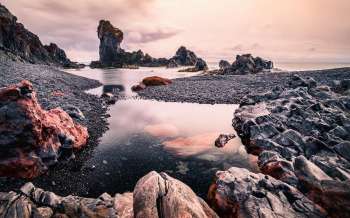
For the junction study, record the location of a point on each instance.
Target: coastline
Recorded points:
(230, 89)
(56, 88)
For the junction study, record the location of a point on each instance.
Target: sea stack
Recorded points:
(110, 38)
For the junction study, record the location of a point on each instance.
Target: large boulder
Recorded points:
(156, 81)
(16, 39)
(237, 192)
(333, 195)
(151, 81)
(31, 138)
(159, 195)
(155, 195)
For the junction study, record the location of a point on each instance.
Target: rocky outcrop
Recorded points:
(110, 37)
(240, 193)
(17, 40)
(223, 139)
(58, 56)
(223, 64)
(245, 64)
(151, 81)
(155, 195)
(301, 134)
(32, 139)
(185, 57)
(112, 54)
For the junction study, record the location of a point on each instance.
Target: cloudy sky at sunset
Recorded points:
(283, 30)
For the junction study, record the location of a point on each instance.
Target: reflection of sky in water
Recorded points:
(146, 135)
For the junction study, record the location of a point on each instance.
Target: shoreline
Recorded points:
(230, 89)
(63, 178)
(50, 83)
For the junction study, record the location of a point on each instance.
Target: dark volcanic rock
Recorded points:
(185, 57)
(110, 38)
(112, 55)
(244, 64)
(240, 193)
(305, 120)
(31, 139)
(19, 41)
(224, 65)
(223, 139)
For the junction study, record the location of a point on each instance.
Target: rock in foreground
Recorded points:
(240, 193)
(155, 195)
(301, 134)
(31, 139)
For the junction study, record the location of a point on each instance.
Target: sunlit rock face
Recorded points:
(31, 139)
(110, 39)
(25, 45)
(159, 195)
(155, 195)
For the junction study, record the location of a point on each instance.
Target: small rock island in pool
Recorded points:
(187, 135)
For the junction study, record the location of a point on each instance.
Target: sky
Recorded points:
(280, 30)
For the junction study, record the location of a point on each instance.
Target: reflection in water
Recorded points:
(114, 89)
(145, 135)
(162, 130)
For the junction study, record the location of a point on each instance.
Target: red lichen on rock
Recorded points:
(30, 137)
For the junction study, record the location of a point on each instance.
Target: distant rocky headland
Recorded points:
(112, 54)
(20, 44)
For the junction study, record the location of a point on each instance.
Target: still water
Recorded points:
(146, 135)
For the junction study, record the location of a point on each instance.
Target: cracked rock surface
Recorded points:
(301, 134)
(155, 195)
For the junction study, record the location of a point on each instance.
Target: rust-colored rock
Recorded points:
(31, 138)
(151, 81)
(156, 81)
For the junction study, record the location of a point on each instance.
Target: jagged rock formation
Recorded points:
(302, 136)
(112, 55)
(244, 64)
(110, 39)
(155, 195)
(31, 139)
(185, 57)
(17, 40)
(240, 193)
